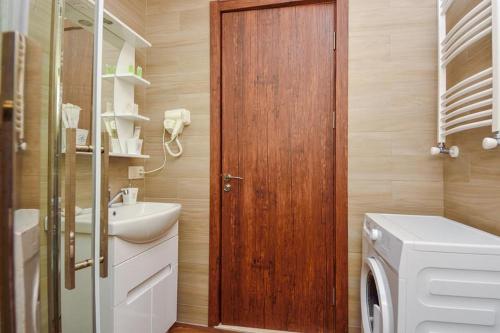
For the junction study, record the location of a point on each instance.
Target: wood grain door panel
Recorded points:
(277, 133)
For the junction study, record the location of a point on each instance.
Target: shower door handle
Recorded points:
(103, 249)
(69, 211)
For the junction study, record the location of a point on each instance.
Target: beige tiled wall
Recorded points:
(178, 68)
(392, 118)
(472, 181)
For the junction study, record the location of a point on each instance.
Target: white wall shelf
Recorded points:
(128, 77)
(118, 155)
(124, 84)
(129, 155)
(131, 117)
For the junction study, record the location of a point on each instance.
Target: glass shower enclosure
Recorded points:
(53, 182)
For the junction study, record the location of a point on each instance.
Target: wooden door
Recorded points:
(278, 101)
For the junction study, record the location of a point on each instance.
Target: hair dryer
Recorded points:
(174, 123)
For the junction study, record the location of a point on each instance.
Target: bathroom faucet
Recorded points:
(116, 197)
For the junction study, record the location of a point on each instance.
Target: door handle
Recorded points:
(71, 266)
(228, 177)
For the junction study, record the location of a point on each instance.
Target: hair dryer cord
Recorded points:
(164, 157)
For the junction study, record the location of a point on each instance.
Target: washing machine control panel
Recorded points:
(375, 234)
(386, 244)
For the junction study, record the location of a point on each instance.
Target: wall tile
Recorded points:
(178, 68)
(392, 114)
(472, 181)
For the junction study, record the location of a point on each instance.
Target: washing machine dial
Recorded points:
(375, 234)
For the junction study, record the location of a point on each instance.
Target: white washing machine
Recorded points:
(424, 274)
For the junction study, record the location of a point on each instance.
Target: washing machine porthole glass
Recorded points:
(376, 309)
(372, 298)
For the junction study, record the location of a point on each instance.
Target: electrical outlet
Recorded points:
(135, 172)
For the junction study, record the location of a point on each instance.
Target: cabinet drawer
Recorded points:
(139, 274)
(164, 303)
(152, 310)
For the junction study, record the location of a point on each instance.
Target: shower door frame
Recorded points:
(8, 169)
(7, 195)
(217, 8)
(55, 256)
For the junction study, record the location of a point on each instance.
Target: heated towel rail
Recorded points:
(473, 102)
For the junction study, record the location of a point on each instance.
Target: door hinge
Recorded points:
(333, 297)
(334, 41)
(333, 119)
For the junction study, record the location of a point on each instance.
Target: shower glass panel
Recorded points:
(25, 53)
(50, 181)
(82, 154)
(77, 183)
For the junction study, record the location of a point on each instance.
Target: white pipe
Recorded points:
(467, 81)
(467, 118)
(453, 46)
(475, 11)
(491, 143)
(441, 74)
(446, 4)
(468, 108)
(482, 17)
(467, 90)
(468, 99)
(483, 123)
(464, 46)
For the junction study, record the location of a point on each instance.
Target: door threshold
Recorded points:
(247, 329)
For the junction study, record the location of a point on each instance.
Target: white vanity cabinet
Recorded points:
(140, 293)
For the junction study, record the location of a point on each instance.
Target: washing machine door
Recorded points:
(376, 304)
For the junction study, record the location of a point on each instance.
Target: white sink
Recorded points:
(143, 222)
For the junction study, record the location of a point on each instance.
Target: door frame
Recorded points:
(217, 8)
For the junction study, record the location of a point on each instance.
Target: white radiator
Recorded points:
(473, 102)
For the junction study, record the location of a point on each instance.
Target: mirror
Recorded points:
(120, 76)
(78, 50)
